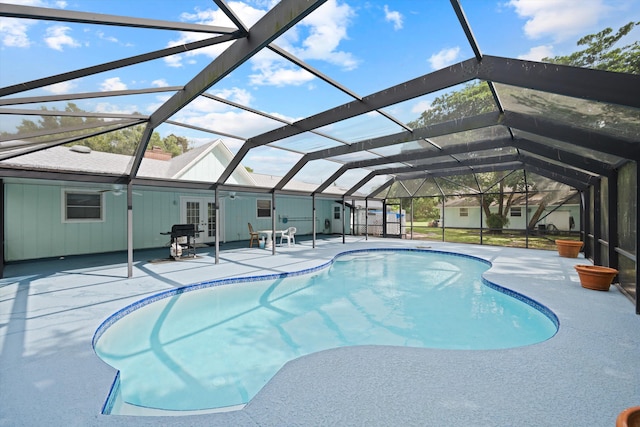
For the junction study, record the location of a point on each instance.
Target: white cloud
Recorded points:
(57, 38)
(61, 88)
(444, 57)
(106, 107)
(274, 74)
(327, 27)
(173, 61)
(13, 32)
(247, 14)
(393, 16)
(421, 106)
(536, 53)
(159, 83)
(559, 19)
(272, 162)
(112, 83)
(103, 36)
(238, 95)
(28, 2)
(240, 123)
(323, 31)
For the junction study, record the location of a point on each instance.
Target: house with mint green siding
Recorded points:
(54, 218)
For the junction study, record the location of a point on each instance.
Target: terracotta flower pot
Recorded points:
(569, 248)
(630, 417)
(596, 277)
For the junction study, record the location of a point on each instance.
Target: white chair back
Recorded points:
(289, 234)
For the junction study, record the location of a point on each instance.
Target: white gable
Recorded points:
(210, 164)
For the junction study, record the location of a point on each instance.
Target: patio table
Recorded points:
(269, 236)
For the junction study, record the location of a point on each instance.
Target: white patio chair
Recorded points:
(289, 235)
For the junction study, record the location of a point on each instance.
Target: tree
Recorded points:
(473, 99)
(122, 141)
(426, 208)
(476, 98)
(601, 54)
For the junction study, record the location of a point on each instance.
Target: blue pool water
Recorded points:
(217, 346)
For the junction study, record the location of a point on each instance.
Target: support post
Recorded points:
(586, 223)
(129, 229)
(443, 218)
(411, 224)
(612, 231)
(597, 223)
(2, 218)
(526, 212)
(313, 219)
(217, 227)
(343, 225)
(366, 219)
(481, 217)
(637, 239)
(273, 223)
(384, 218)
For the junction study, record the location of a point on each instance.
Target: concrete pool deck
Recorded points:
(584, 376)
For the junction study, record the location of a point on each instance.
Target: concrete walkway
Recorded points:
(584, 376)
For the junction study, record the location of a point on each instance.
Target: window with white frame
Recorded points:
(516, 211)
(82, 206)
(464, 211)
(263, 208)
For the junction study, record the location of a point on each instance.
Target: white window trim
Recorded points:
(270, 208)
(63, 206)
(463, 212)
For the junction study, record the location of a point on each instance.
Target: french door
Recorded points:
(201, 211)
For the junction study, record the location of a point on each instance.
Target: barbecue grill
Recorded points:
(183, 235)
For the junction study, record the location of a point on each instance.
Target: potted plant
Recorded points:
(596, 277)
(630, 417)
(569, 248)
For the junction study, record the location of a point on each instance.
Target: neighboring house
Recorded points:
(465, 213)
(47, 218)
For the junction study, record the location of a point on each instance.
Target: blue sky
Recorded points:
(363, 45)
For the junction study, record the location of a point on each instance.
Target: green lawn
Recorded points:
(511, 238)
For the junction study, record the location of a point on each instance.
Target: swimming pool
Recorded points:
(211, 346)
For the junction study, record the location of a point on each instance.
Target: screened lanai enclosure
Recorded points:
(533, 148)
